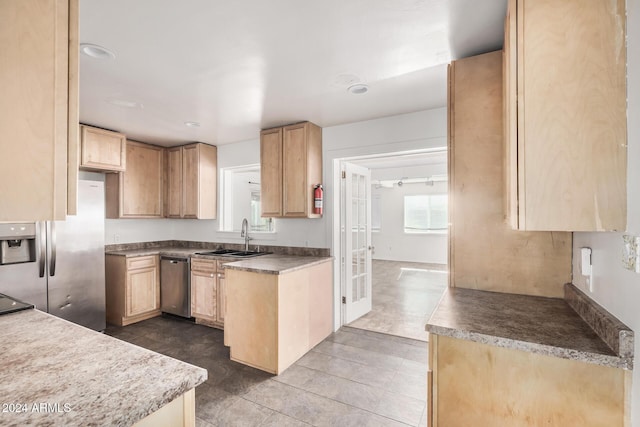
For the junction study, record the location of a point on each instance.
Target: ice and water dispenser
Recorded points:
(17, 243)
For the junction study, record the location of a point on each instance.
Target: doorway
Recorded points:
(394, 242)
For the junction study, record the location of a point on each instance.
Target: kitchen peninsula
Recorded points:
(274, 305)
(58, 373)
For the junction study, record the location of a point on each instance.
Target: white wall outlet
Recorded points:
(586, 267)
(116, 238)
(631, 253)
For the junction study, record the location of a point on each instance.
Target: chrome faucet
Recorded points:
(245, 233)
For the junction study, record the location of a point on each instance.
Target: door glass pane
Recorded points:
(354, 289)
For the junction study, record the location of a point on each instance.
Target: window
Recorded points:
(425, 213)
(241, 199)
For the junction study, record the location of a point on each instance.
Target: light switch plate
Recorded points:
(630, 253)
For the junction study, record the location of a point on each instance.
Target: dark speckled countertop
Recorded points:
(82, 377)
(534, 324)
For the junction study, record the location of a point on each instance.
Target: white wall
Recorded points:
(391, 242)
(615, 288)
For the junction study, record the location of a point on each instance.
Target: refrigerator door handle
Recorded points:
(43, 247)
(52, 248)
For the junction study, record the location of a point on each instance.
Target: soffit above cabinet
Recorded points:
(237, 67)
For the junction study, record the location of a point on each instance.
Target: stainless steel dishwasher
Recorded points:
(175, 287)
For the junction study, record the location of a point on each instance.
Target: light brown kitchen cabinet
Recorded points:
(138, 191)
(531, 262)
(565, 103)
(38, 109)
(475, 384)
(132, 288)
(102, 150)
(274, 319)
(207, 292)
(192, 181)
(290, 167)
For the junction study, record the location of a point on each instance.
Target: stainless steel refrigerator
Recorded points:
(59, 265)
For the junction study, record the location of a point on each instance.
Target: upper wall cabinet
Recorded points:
(290, 167)
(565, 108)
(38, 109)
(137, 192)
(192, 181)
(102, 150)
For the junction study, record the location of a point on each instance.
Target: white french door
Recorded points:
(356, 241)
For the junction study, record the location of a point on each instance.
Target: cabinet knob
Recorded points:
(211, 275)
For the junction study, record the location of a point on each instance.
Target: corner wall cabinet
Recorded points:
(207, 292)
(132, 288)
(38, 109)
(102, 150)
(565, 104)
(192, 181)
(138, 191)
(290, 167)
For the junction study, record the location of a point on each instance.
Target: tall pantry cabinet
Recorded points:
(38, 109)
(484, 251)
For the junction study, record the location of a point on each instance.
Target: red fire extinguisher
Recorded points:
(318, 194)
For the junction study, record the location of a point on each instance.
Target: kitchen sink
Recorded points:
(245, 254)
(232, 253)
(218, 252)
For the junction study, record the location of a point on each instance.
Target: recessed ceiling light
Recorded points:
(95, 51)
(358, 89)
(192, 124)
(125, 103)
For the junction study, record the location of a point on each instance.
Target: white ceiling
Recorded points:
(239, 66)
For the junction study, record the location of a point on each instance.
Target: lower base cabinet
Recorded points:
(180, 412)
(274, 319)
(132, 288)
(473, 384)
(207, 292)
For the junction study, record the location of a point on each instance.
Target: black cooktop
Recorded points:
(11, 305)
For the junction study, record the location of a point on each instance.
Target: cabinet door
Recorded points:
(203, 295)
(222, 300)
(38, 106)
(571, 115)
(190, 181)
(174, 182)
(103, 150)
(271, 172)
(294, 171)
(143, 291)
(141, 183)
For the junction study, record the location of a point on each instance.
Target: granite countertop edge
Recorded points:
(276, 269)
(532, 347)
(280, 264)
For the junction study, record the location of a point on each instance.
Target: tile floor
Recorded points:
(404, 296)
(353, 378)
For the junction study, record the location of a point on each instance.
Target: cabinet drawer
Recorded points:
(141, 262)
(204, 265)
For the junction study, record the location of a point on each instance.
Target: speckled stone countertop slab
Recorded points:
(547, 326)
(86, 378)
(276, 264)
(266, 264)
(167, 251)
